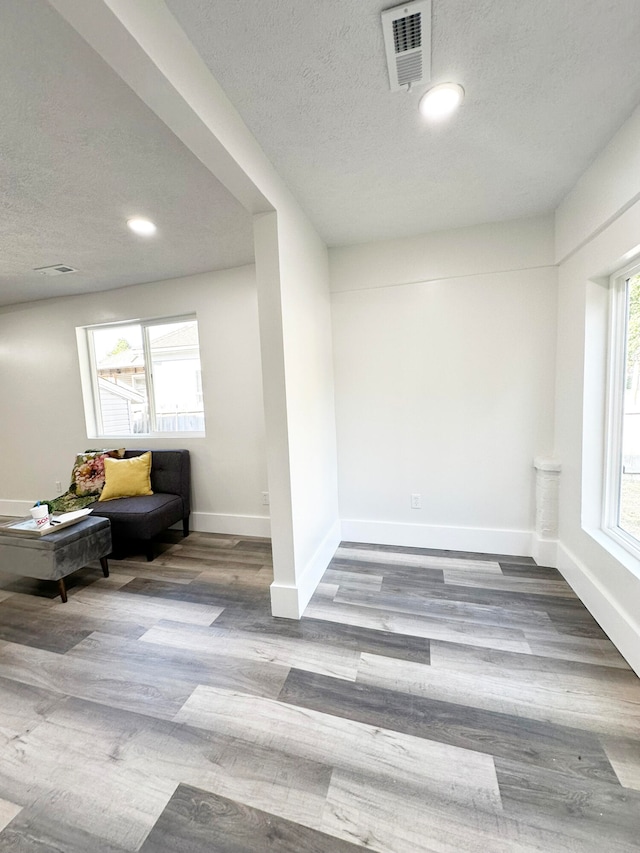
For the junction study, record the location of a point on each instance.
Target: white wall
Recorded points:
(445, 385)
(609, 187)
(598, 230)
(43, 423)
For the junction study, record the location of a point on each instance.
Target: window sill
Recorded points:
(618, 548)
(151, 436)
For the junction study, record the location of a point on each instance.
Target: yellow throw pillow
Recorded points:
(127, 478)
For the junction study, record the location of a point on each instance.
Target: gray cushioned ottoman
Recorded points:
(58, 554)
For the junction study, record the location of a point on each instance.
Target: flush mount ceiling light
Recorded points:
(441, 101)
(145, 227)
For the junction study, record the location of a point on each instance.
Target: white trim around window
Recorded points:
(615, 410)
(167, 367)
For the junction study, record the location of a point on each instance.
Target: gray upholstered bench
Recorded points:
(56, 555)
(142, 518)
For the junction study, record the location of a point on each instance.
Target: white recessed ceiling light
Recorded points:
(439, 102)
(145, 227)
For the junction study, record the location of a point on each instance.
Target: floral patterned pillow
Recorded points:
(87, 476)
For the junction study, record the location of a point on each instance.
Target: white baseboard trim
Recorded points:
(236, 525)
(17, 508)
(290, 600)
(619, 625)
(544, 551)
(514, 542)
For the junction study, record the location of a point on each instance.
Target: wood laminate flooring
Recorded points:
(427, 702)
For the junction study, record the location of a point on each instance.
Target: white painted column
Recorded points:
(265, 232)
(295, 328)
(547, 502)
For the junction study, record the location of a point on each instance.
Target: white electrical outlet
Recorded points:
(58, 486)
(265, 498)
(416, 501)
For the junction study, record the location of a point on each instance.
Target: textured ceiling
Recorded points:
(547, 82)
(79, 154)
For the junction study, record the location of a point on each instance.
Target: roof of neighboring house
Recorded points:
(183, 336)
(120, 391)
(124, 358)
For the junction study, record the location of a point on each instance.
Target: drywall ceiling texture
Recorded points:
(544, 95)
(81, 153)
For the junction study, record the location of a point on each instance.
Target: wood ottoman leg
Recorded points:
(105, 566)
(63, 590)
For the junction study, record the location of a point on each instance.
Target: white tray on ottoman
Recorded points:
(59, 553)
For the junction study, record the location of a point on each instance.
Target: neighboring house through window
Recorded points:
(145, 377)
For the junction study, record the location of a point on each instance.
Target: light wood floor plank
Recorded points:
(456, 773)
(153, 691)
(143, 610)
(493, 580)
(493, 637)
(403, 558)
(195, 666)
(267, 650)
(584, 650)
(561, 699)
(383, 817)
(456, 611)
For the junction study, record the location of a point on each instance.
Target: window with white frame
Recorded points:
(145, 377)
(622, 491)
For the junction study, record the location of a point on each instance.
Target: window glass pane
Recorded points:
(629, 516)
(121, 382)
(175, 368)
(146, 377)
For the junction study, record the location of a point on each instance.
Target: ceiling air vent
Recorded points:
(56, 269)
(407, 42)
